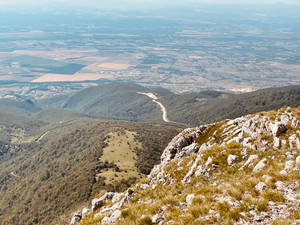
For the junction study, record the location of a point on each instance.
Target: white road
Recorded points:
(162, 107)
(13, 174)
(42, 136)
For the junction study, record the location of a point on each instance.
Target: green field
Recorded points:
(42, 65)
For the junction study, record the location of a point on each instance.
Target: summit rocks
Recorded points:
(241, 171)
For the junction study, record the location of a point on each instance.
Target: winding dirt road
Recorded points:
(162, 107)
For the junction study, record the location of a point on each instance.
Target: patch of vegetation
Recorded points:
(187, 109)
(59, 173)
(43, 65)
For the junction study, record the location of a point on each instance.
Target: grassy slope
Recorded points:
(120, 150)
(207, 107)
(228, 182)
(115, 101)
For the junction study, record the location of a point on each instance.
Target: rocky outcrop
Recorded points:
(258, 148)
(76, 218)
(232, 159)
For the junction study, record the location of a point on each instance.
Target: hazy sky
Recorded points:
(147, 2)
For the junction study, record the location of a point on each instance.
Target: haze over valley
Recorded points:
(149, 112)
(199, 47)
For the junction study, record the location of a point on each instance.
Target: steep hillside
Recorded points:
(124, 101)
(12, 124)
(241, 171)
(211, 106)
(69, 162)
(115, 101)
(25, 107)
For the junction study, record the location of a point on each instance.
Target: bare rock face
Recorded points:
(278, 128)
(113, 218)
(280, 185)
(289, 165)
(85, 212)
(98, 202)
(181, 145)
(76, 218)
(157, 219)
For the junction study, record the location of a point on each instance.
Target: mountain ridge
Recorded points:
(240, 171)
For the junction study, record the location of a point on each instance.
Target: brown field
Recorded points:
(6, 77)
(76, 77)
(107, 66)
(58, 54)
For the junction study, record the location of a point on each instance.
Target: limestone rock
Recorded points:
(279, 185)
(289, 155)
(250, 161)
(278, 128)
(85, 212)
(289, 165)
(298, 161)
(76, 218)
(260, 187)
(144, 186)
(98, 202)
(189, 199)
(208, 161)
(267, 178)
(105, 220)
(277, 142)
(115, 216)
(232, 159)
(157, 219)
(117, 197)
(259, 166)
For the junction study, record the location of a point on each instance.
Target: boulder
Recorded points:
(105, 220)
(98, 202)
(250, 161)
(189, 199)
(85, 212)
(157, 219)
(260, 187)
(298, 161)
(115, 216)
(232, 159)
(117, 197)
(278, 128)
(259, 166)
(289, 165)
(208, 161)
(277, 142)
(280, 185)
(76, 218)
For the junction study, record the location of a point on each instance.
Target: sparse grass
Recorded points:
(204, 137)
(237, 184)
(120, 150)
(145, 221)
(275, 196)
(262, 205)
